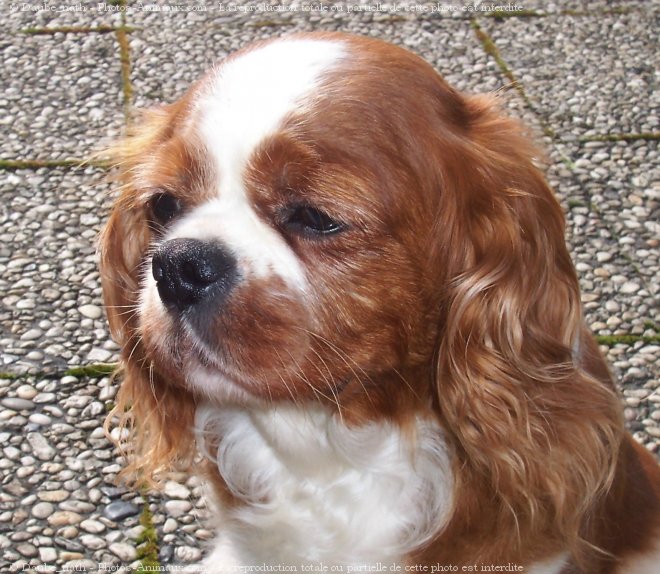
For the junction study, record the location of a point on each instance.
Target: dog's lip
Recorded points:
(225, 376)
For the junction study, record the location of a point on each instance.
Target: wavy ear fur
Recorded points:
(525, 415)
(154, 416)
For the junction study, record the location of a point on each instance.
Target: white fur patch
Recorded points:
(552, 566)
(647, 563)
(314, 490)
(247, 99)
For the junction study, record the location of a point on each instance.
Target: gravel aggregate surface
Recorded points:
(581, 75)
(84, 14)
(51, 314)
(61, 94)
(621, 95)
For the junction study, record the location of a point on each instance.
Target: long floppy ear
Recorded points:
(155, 418)
(523, 411)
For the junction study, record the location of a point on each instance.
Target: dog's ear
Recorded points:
(155, 418)
(522, 409)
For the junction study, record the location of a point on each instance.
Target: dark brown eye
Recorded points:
(312, 221)
(164, 207)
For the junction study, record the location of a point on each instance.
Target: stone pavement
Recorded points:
(581, 73)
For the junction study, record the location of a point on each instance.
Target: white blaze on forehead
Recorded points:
(246, 100)
(252, 93)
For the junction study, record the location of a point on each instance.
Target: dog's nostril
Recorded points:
(157, 269)
(188, 271)
(201, 272)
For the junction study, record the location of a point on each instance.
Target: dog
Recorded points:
(345, 285)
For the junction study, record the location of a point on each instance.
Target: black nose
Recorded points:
(188, 271)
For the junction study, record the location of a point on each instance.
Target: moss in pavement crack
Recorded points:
(147, 542)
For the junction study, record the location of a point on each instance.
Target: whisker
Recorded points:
(316, 391)
(330, 383)
(138, 340)
(412, 390)
(345, 358)
(291, 393)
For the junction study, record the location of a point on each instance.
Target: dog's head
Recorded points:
(322, 219)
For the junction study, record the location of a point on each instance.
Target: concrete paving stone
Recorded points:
(618, 297)
(636, 369)
(618, 275)
(61, 95)
(48, 268)
(556, 7)
(621, 180)
(585, 75)
(30, 14)
(37, 485)
(162, 73)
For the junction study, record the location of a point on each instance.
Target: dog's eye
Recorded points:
(164, 207)
(309, 220)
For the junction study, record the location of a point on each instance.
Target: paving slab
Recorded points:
(621, 183)
(22, 15)
(61, 95)
(585, 75)
(609, 191)
(162, 73)
(568, 6)
(58, 474)
(51, 313)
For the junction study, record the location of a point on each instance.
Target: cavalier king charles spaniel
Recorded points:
(343, 286)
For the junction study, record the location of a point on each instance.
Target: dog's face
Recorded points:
(322, 220)
(283, 217)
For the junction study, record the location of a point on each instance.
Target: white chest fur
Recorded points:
(315, 490)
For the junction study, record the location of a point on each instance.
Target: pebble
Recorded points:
(11, 452)
(123, 551)
(47, 555)
(77, 401)
(629, 287)
(31, 335)
(40, 419)
(53, 495)
(92, 541)
(97, 355)
(92, 526)
(166, 553)
(44, 398)
(40, 446)
(119, 510)
(612, 306)
(42, 510)
(177, 508)
(26, 392)
(137, 531)
(17, 404)
(64, 518)
(113, 492)
(27, 550)
(93, 410)
(79, 506)
(175, 490)
(94, 495)
(67, 533)
(170, 526)
(653, 431)
(91, 311)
